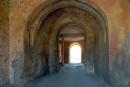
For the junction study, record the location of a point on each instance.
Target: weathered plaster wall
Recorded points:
(20, 11)
(128, 43)
(4, 39)
(118, 15)
(36, 58)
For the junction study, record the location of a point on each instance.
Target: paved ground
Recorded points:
(71, 75)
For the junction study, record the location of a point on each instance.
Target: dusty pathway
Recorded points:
(71, 75)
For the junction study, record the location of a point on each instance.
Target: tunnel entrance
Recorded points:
(54, 28)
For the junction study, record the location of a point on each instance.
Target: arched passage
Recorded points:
(71, 33)
(41, 46)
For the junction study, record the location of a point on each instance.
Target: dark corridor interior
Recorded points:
(69, 36)
(47, 47)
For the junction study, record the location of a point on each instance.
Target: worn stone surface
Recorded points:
(4, 39)
(20, 11)
(118, 31)
(71, 75)
(116, 12)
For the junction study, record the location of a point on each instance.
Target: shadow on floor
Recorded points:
(71, 75)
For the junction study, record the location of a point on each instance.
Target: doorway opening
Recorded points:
(75, 53)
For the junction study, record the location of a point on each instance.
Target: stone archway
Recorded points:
(36, 36)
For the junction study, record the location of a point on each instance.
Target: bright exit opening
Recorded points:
(75, 53)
